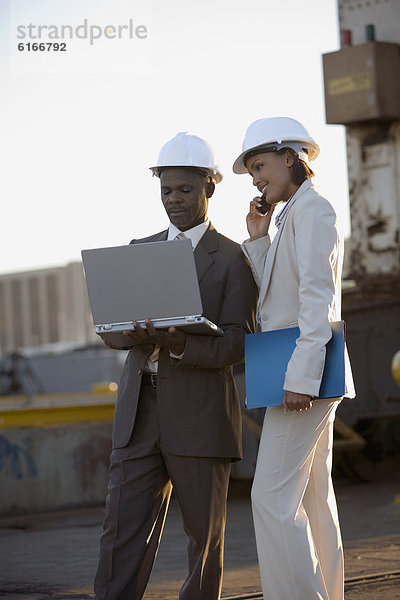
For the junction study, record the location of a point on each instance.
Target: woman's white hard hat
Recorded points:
(187, 150)
(274, 133)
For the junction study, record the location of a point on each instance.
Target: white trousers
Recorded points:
(294, 507)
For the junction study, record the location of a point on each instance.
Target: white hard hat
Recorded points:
(275, 133)
(186, 150)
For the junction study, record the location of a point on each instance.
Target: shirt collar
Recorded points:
(279, 217)
(195, 234)
(281, 214)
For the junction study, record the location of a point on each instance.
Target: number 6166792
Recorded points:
(42, 47)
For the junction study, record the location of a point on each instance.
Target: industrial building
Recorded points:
(45, 306)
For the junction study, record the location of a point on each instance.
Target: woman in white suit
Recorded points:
(298, 274)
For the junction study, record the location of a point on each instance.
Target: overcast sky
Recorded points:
(80, 127)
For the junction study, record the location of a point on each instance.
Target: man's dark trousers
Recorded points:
(141, 478)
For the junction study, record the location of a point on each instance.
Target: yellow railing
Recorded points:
(45, 410)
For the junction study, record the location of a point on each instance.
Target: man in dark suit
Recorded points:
(177, 420)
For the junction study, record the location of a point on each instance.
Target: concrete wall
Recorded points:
(54, 450)
(54, 467)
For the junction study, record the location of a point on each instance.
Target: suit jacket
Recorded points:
(299, 277)
(197, 399)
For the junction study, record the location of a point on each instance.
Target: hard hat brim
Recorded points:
(216, 175)
(240, 168)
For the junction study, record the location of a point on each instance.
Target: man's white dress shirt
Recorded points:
(195, 234)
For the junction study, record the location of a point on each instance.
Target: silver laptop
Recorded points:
(155, 280)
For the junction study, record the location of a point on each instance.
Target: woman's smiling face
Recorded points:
(272, 175)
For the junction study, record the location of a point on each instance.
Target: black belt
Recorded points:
(149, 379)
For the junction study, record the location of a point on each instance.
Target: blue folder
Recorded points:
(267, 357)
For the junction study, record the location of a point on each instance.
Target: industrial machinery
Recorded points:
(362, 92)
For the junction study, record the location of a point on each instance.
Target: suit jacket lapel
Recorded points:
(269, 263)
(157, 237)
(160, 237)
(203, 251)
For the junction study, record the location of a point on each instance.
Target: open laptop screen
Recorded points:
(152, 280)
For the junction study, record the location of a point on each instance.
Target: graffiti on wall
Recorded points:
(17, 459)
(90, 454)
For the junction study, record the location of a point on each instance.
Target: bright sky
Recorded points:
(80, 128)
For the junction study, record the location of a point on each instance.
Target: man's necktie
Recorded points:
(154, 355)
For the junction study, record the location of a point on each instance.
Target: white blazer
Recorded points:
(299, 279)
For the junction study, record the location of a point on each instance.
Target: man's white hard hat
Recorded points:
(274, 133)
(187, 150)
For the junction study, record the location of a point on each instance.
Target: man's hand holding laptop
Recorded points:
(173, 339)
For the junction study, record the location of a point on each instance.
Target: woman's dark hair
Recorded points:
(300, 170)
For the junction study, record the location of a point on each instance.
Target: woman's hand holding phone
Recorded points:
(259, 217)
(264, 206)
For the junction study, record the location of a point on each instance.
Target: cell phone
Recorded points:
(265, 206)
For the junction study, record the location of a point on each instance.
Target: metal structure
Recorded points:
(362, 92)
